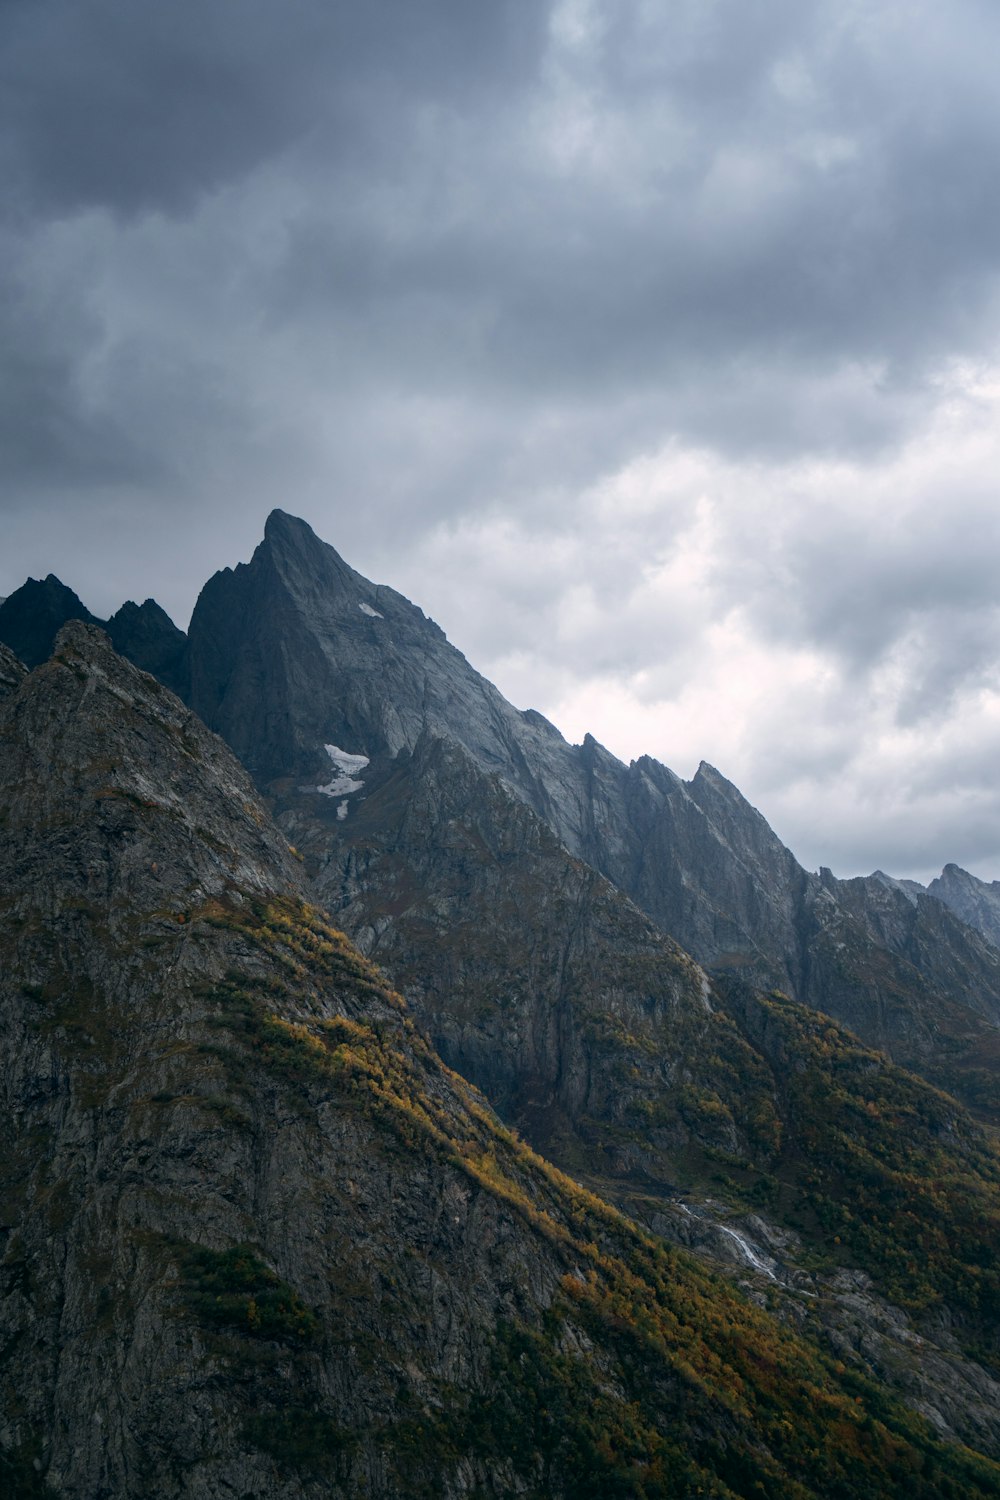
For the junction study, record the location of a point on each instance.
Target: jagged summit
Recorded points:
(32, 615)
(976, 902)
(335, 659)
(147, 635)
(305, 559)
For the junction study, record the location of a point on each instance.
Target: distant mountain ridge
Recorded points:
(31, 618)
(976, 901)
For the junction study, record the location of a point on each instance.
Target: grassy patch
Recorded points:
(237, 1292)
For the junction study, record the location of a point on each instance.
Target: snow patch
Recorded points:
(345, 768)
(373, 614)
(342, 810)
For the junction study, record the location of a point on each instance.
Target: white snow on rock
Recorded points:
(342, 810)
(345, 768)
(366, 609)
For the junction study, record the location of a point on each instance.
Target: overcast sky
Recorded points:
(651, 348)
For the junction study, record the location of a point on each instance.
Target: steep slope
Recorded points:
(614, 1054)
(256, 1240)
(296, 660)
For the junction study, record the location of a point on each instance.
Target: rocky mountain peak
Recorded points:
(147, 635)
(707, 780)
(311, 568)
(976, 901)
(32, 614)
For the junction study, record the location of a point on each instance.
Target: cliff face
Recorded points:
(12, 671)
(257, 1240)
(726, 1119)
(976, 901)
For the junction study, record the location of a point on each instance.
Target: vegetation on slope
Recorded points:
(874, 1166)
(647, 1376)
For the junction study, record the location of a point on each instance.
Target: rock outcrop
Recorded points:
(12, 671)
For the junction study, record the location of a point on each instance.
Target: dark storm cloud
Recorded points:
(666, 220)
(139, 106)
(717, 216)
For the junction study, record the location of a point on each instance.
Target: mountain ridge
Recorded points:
(295, 651)
(294, 664)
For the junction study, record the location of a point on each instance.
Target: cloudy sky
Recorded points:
(653, 349)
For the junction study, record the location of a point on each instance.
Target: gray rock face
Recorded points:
(976, 901)
(167, 1100)
(597, 1037)
(12, 671)
(522, 963)
(295, 651)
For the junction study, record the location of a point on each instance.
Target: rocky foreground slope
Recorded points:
(257, 1240)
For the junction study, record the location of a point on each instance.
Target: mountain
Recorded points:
(446, 832)
(295, 652)
(146, 634)
(298, 662)
(256, 1239)
(31, 618)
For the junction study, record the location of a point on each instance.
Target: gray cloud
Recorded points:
(137, 107)
(439, 276)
